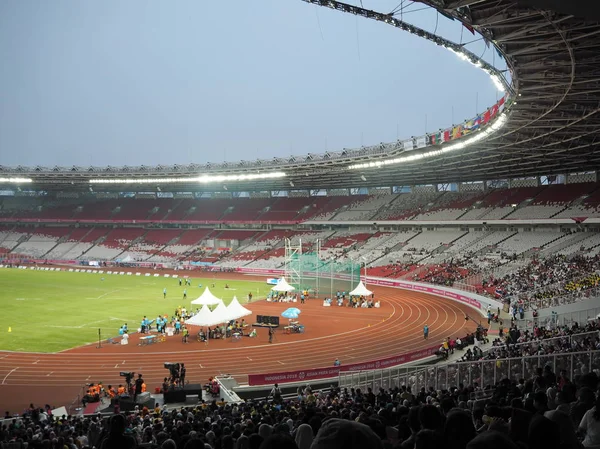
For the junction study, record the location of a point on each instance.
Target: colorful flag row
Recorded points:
(458, 131)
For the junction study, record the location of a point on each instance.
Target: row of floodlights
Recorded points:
(204, 179)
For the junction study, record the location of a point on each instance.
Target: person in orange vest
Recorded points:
(121, 390)
(143, 387)
(110, 392)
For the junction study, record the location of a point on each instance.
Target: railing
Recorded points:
(547, 342)
(566, 318)
(565, 298)
(482, 372)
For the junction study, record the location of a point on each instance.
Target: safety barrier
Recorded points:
(482, 372)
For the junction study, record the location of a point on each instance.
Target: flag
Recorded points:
(457, 132)
(473, 125)
(501, 104)
(493, 111)
(446, 135)
(433, 139)
(486, 116)
(468, 127)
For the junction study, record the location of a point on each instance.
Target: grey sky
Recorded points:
(133, 82)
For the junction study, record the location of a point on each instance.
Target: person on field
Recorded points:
(426, 332)
(165, 293)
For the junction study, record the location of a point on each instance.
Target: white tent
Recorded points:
(283, 286)
(203, 318)
(360, 290)
(221, 314)
(207, 299)
(236, 310)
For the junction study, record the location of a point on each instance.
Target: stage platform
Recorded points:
(179, 394)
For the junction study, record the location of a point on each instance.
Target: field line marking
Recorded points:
(48, 375)
(279, 361)
(106, 294)
(10, 372)
(249, 358)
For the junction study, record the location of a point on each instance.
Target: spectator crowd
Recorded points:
(547, 411)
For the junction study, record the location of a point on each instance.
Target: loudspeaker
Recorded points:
(142, 397)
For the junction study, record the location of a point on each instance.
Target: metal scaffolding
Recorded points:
(293, 263)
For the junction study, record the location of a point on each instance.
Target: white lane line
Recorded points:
(200, 366)
(123, 362)
(6, 377)
(48, 375)
(117, 365)
(36, 362)
(249, 358)
(280, 362)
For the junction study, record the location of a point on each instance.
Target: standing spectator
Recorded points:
(116, 438)
(590, 426)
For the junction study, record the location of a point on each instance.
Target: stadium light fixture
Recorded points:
(204, 179)
(463, 143)
(16, 180)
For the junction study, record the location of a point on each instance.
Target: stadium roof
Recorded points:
(551, 124)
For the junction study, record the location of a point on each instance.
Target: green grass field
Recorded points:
(52, 311)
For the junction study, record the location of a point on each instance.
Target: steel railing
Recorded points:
(483, 372)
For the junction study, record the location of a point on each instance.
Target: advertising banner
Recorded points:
(328, 373)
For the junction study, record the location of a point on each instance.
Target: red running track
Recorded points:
(352, 335)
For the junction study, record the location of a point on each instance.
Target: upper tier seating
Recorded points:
(405, 206)
(450, 206)
(362, 209)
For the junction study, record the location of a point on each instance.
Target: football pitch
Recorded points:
(49, 311)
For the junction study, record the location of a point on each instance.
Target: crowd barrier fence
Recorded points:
(482, 372)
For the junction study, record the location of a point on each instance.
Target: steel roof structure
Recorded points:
(552, 125)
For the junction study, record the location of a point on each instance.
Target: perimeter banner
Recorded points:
(432, 290)
(328, 373)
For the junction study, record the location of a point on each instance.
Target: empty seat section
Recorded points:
(245, 209)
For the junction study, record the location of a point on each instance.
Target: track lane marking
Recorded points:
(10, 372)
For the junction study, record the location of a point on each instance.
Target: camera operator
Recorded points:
(138, 386)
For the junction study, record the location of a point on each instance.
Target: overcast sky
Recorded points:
(133, 82)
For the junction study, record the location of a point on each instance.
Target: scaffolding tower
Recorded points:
(293, 263)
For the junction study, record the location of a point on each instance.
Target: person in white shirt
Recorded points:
(590, 426)
(125, 339)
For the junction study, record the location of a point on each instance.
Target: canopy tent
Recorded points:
(236, 310)
(221, 314)
(283, 286)
(207, 299)
(203, 318)
(291, 314)
(360, 290)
